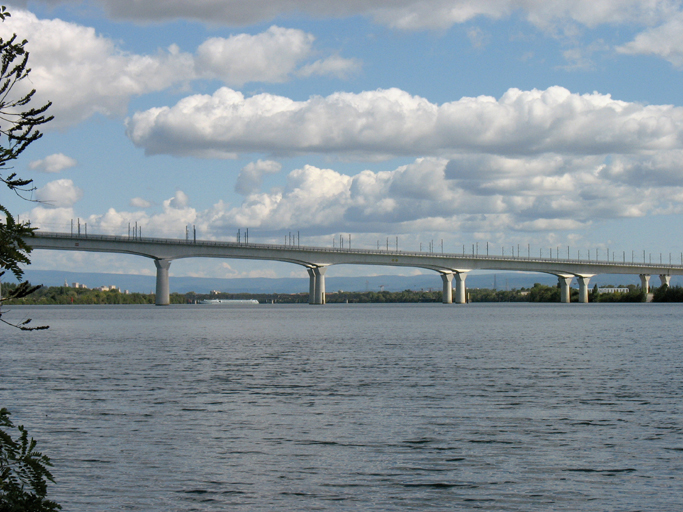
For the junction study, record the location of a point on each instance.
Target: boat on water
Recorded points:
(228, 302)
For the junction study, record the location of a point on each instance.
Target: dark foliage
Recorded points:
(19, 124)
(668, 294)
(24, 472)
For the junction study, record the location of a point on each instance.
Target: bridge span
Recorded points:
(317, 259)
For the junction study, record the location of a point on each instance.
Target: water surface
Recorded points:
(353, 407)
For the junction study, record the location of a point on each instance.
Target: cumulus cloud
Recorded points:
(59, 193)
(267, 57)
(178, 201)
(171, 221)
(271, 56)
(391, 122)
(476, 193)
(665, 41)
(66, 57)
(53, 163)
(251, 176)
(469, 192)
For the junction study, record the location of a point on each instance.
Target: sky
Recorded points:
(536, 123)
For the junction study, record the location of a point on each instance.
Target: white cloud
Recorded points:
(170, 222)
(178, 201)
(53, 163)
(267, 57)
(59, 193)
(331, 66)
(251, 176)
(477, 193)
(385, 123)
(67, 57)
(139, 202)
(665, 41)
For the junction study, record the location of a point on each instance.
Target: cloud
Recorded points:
(403, 14)
(665, 41)
(59, 193)
(66, 56)
(251, 176)
(335, 66)
(170, 222)
(271, 56)
(470, 192)
(474, 193)
(138, 202)
(178, 201)
(391, 122)
(53, 163)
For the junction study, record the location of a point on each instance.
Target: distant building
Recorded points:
(613, 290)
(214, 292)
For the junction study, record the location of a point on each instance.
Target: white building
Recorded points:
(613, 290)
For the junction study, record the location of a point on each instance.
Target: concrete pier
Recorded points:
(645, 283)
(565, 290)
(460, 290)
(163, 297)
(311, 285)
(447, 278)
(665, 279)
(319, 285)
(583, 288)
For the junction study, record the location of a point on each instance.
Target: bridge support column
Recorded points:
(645, 283)
(319, 285)
(311, 285)
(460, 290)
(565, 290)
(583, 288)
(665, 279)
(163, 294)
(447, 278)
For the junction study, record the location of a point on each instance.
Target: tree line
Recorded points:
(537, 293)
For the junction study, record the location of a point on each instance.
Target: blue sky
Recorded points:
(510, 122)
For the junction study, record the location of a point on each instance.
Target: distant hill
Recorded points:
(146, 284)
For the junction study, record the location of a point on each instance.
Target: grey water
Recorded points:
(514, 407)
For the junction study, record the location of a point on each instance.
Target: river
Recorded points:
(514, 407)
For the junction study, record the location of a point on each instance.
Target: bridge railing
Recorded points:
(281, 247)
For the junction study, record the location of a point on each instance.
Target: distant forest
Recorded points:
(537, 293)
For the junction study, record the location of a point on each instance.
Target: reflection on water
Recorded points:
(353, 407)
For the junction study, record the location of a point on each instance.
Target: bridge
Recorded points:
(317, 259)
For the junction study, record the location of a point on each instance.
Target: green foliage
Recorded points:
(487, 295)
(668, 294)
(537, 293)
(543, 293)
(24, 471)
(634, 294)
(381, 297)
